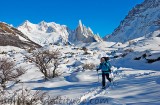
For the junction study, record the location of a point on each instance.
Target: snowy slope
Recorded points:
(140, 21)
(135, 81)
(11, 36)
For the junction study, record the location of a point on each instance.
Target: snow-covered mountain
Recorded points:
(45, 33)
(52, 33)
(13, 37)
(84, 34)
(142, 20)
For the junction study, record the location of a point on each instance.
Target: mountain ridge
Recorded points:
(11, 36)
(53, 33)
(142, 20)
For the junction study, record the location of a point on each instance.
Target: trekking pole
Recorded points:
(98, 76)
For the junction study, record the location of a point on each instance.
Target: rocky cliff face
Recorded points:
(13, 37)
(84, 34)
(142, 20)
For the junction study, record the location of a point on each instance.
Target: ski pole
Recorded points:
(98, 76)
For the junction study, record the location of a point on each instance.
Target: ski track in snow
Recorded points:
(92, 93)
(95, 92)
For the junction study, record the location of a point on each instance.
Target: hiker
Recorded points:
(106, 70)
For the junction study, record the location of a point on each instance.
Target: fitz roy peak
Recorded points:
(52, 33)
(141, 21)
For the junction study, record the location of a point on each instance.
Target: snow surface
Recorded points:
(135, 82)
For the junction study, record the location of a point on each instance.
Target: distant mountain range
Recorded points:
(52, 33)
(142, 21)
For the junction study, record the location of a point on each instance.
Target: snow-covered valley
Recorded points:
(135, 81)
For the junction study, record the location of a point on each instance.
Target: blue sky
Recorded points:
(103, 16)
